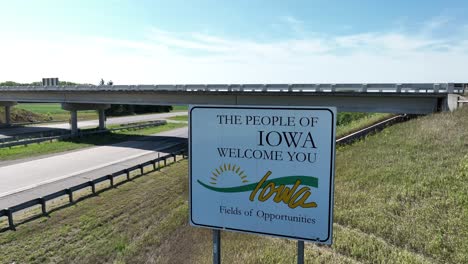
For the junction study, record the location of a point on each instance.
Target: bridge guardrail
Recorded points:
(417, 88)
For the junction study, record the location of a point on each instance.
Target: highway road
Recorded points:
(24, 181)
(15, 131)
(119, 120)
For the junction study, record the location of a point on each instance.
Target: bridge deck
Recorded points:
(265, 88)
(414, 98)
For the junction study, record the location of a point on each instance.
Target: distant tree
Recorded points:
(119, 110)
(10, 83)
(345, 118)
(110, 82)
(141, 109)
(102, 82)
(67, 83)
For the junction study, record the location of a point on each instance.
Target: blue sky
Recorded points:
(234, 41)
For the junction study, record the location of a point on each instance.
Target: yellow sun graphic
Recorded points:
(227, 167)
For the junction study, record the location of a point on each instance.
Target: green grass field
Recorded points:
(54, 111)
(42, 108)
(401, 196)
(407, 185)
(179, 118)
(180, 108)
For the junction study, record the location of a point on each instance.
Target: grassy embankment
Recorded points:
(179, 118)
(22, 116)
(180, 108)
(33, 150)
(400, 197)
(357, 121)
(53, 111)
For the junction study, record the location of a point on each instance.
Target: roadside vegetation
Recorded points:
(53, 111)
(179, 118)
(19, 115)
(407, 186)
(400, 197)
(38, 149)
(352, 122)
(180, 108)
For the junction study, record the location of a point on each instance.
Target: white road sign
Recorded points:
(266, 170)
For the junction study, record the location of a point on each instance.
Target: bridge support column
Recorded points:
(7, 106)
(74, 122)
(451, 102)
(102, 119)
(75, 107)
(8, 115)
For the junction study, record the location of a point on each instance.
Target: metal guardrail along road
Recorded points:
(42, 201)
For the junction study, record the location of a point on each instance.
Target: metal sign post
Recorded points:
(216, 246)
(300, 252)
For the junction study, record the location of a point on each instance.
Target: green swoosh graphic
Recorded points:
(288, 180)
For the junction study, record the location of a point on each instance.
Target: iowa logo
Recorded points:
(294, 191)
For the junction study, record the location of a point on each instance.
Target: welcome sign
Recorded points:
(266, 170)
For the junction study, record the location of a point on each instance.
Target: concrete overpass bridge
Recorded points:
(411, 98)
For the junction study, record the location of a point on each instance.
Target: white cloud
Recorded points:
(435, 24)
(296, 25)
(193, 57)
